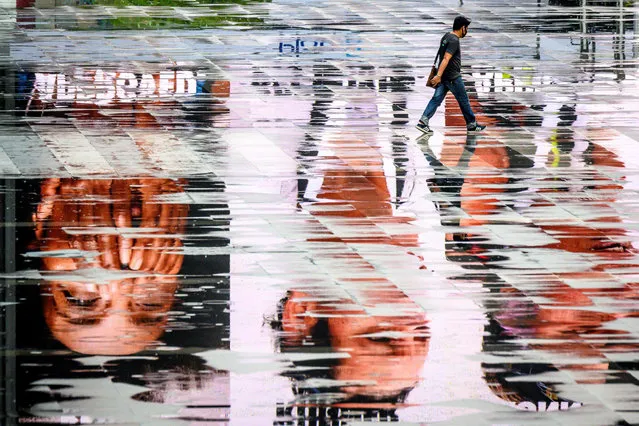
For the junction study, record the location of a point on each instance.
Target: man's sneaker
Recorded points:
(421, 126)
(476, 128)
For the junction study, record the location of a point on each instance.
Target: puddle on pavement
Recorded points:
(269, 242)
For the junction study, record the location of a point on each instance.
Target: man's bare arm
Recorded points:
(442, 67)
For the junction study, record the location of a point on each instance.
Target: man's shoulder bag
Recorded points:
(433, 71)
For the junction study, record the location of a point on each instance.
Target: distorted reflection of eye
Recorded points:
(147, 319)
(84, 303)
(379, 339)
(612, 246)
(84, 320)
(87, 302)
(151, 306)
(148, 305)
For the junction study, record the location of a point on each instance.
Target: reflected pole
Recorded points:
(7, 288)
(7, 234)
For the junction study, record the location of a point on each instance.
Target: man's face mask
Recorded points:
(464, 31)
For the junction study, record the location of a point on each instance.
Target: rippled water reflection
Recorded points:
(222, 213)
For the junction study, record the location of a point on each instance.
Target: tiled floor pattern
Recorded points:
(283, 246)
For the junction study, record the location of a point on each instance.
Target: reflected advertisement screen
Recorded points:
(117, 299)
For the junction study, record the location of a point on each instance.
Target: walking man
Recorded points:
(449, 78)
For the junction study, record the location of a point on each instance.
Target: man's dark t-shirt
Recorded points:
(450, 44)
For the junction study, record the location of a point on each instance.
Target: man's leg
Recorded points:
(435, 102)
(459, 91)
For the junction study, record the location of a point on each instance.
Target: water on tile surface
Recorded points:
(221, 212)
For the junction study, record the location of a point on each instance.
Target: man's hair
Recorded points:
(460, 21)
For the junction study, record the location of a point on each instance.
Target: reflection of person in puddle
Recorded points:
(484, 194)
(89, 226)
(386, 350)
(481, 192)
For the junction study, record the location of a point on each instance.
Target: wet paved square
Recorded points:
(221, 212)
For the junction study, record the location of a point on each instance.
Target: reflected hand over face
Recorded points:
(97, 217)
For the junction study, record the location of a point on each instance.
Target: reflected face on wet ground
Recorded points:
(113, 319)
(385, 352)
(98, 227)
(230, 220)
